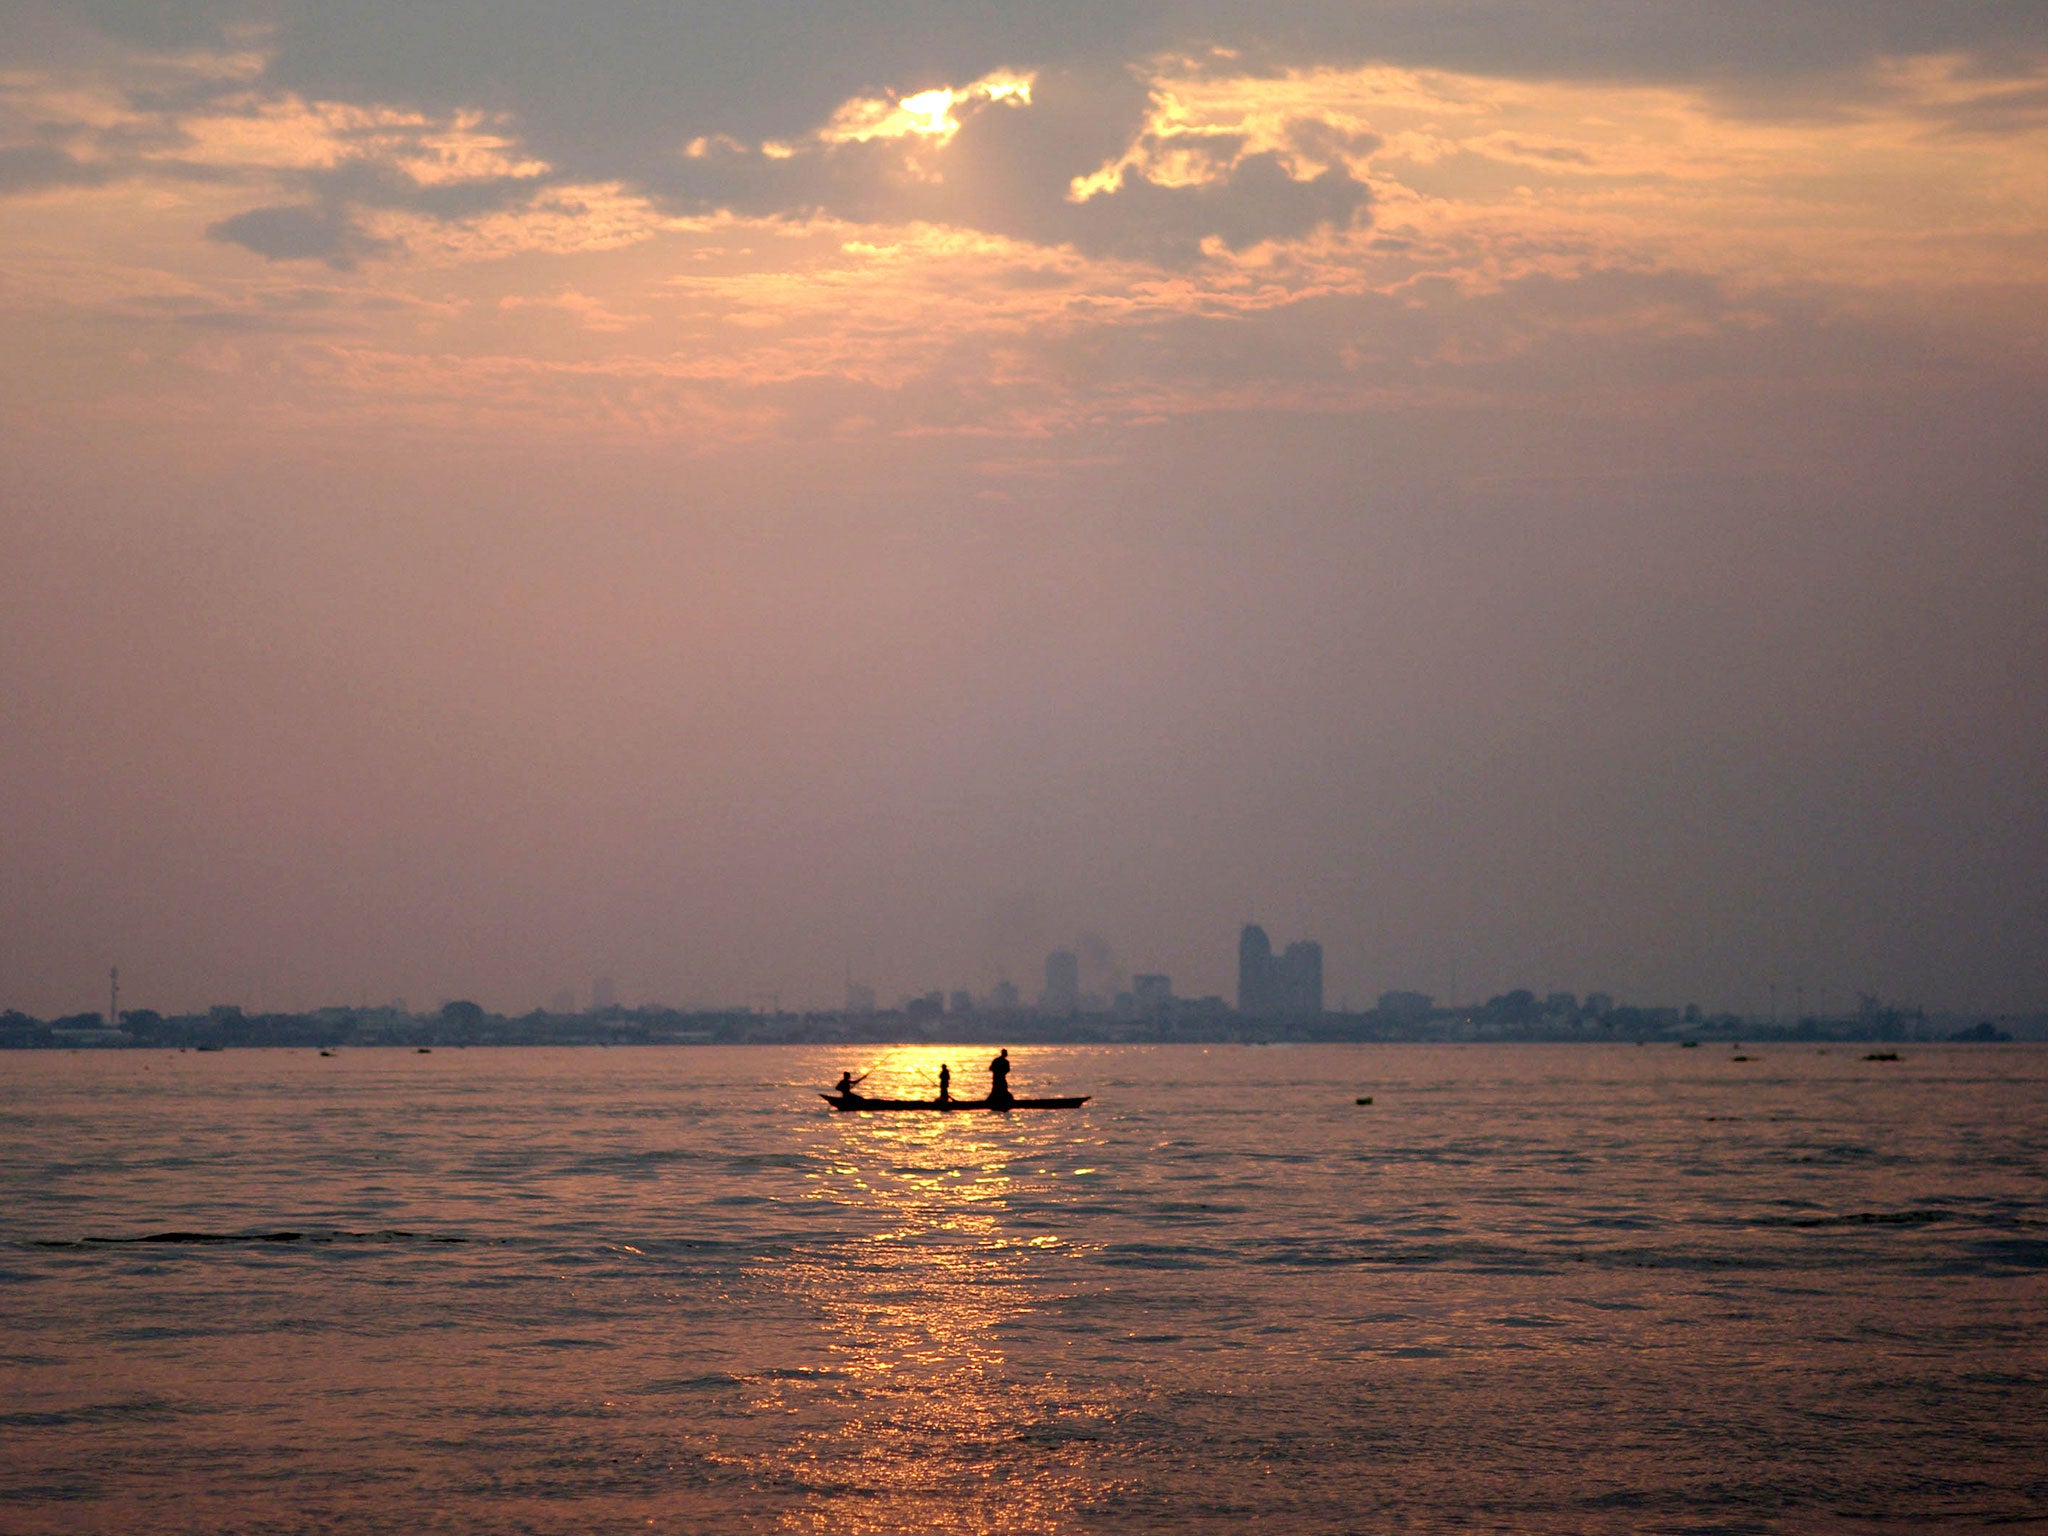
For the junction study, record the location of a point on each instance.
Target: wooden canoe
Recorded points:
(847, 1103)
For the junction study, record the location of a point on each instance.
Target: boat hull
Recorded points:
(859, 1105)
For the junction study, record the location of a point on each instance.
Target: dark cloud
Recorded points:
(39, 167)
(2016, 109)
(302, 232)
(1256, 201)
(613, 90)
(614, 87)
(328, 227)
(1010, 169)
(369, 183)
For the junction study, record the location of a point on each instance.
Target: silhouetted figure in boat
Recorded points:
(846, 1083)
(945, 1083)
(999, 1080)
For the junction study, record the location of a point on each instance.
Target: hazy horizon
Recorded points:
(493, 496)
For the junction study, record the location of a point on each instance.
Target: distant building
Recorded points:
(604, 993)
(859, 999)
(960, 1001)
(1062, 983)
(1003, 997)
(1267, 986)
(1151, 994)
(1254, 971)
(1301, 978)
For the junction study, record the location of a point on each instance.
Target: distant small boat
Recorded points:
(850, 1103)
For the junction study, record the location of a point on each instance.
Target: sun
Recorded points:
(923, 114)
(930, 112)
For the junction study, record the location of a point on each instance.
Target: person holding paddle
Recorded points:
(846, 1083)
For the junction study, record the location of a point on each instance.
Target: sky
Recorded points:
(734, 497)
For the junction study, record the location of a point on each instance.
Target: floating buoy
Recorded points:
(1366, 1100)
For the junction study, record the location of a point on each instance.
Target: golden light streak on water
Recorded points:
(916, 1327)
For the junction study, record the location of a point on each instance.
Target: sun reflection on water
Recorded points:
(928, 1417)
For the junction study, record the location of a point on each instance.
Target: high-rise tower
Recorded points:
(1254, 971)
(1301, 978)
(1267, 986)
(1062, 993)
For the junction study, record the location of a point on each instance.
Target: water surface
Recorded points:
(1529, 1288)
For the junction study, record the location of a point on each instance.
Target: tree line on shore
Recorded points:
(1509, 1016)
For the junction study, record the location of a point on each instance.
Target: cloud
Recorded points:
(1019, 253)
(1004, 155)
(302, 232)
(39, 167)
(612, 90)
(1254, 200)
(1172, 157)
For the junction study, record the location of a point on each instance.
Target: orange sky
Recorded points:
(479, 511)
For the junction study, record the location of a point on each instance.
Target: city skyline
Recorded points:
(1261, 983)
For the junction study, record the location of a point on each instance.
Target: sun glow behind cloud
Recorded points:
(928, 114)
(454, 244)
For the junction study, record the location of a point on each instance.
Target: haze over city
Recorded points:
(716, 497)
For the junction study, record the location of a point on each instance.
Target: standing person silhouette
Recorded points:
(999, 1080)
(945, 1083)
